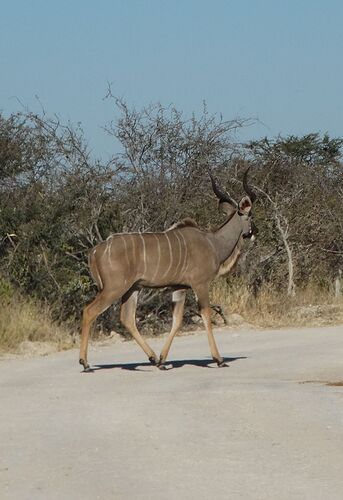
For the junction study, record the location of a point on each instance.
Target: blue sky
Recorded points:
(276, 60)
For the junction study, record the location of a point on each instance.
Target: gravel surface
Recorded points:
(267, 427)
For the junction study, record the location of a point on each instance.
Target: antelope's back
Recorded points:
(154, 259)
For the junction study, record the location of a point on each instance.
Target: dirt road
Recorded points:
(260, 429)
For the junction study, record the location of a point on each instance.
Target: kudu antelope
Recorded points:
(182, 257)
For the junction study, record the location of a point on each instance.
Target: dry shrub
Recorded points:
(312, 305)
(24, 320)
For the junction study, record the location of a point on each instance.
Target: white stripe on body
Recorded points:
(185, 263)
(108, 251)
(133, 244)
(158, 257)
(101, 285)
(144, 253)
(180, 254)
(170, 255)
(126, 252)
(108, 246)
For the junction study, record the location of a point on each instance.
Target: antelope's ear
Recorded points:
(245, 205)
(226, 207)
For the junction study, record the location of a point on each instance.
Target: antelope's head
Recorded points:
(244, 208)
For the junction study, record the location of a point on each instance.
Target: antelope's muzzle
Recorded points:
(252, 233)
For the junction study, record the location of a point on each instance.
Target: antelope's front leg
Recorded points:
(205, 310)
(178, 299)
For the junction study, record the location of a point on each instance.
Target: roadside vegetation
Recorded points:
(57, 201)
(24, 320)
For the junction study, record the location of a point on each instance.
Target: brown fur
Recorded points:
(187, 222)
(230, 262)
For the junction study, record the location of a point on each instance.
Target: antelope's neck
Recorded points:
(227, 238)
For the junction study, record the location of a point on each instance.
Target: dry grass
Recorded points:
(271, 309)
(22, 320)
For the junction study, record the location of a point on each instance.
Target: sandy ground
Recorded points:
(265, 428)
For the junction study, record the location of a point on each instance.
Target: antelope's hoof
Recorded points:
(85, 365)
(160, 364)
(153, 360)
(222, 364)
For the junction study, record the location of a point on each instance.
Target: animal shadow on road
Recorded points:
(179, 363)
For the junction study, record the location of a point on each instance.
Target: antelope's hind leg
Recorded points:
(128, 319)
(178, 299)
(99, 305)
